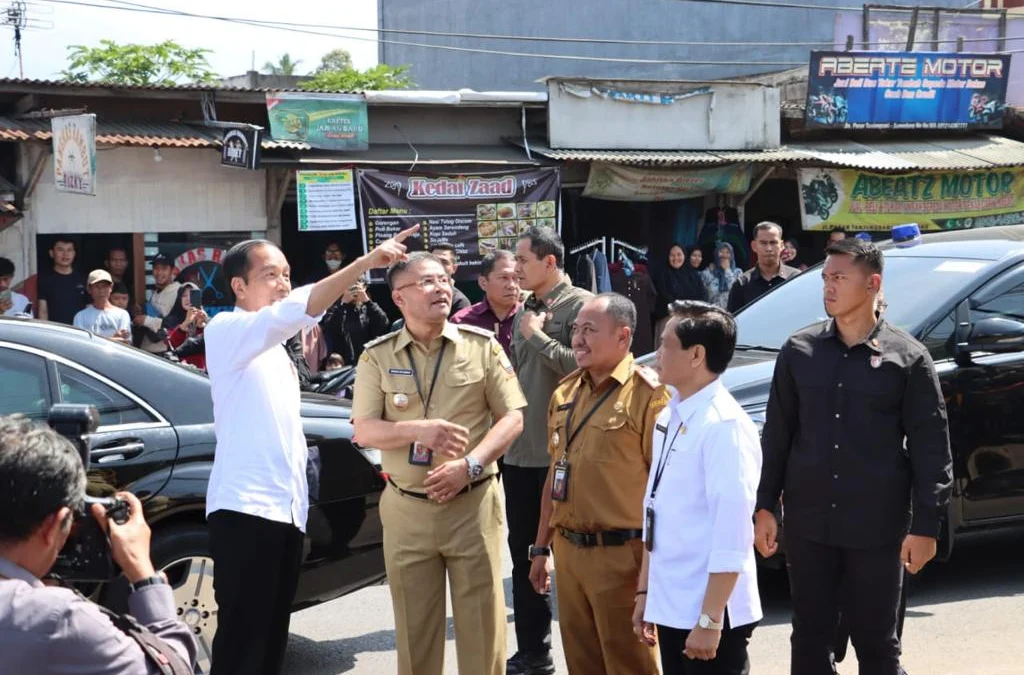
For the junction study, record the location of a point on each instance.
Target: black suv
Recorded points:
(156, 439)
(962, 295)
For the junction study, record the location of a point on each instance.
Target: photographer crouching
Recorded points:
(46, 629)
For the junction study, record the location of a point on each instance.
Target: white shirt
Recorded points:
(19, 306)
(259, 467)
(703, 509)
(103, 322)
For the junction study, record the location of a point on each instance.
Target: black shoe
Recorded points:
(522, 663)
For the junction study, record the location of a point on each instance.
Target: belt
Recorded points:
(424, 497)
(606, 538)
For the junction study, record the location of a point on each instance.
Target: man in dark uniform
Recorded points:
(856, 443)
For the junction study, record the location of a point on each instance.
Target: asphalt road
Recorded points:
(965, 617)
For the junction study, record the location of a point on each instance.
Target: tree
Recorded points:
(336, 59)
(378, 77)
(167, 63)
(284, 66)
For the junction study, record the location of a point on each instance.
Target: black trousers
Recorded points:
(731, 659)
(523, 489)
(256, 570)
(865, 584)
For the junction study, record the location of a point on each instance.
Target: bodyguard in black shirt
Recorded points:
(855, 442)
(769, 271)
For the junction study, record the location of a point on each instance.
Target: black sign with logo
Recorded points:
(241, 149)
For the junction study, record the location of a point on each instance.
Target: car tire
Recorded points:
(183, 554)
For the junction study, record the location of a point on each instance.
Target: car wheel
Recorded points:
(183, 554)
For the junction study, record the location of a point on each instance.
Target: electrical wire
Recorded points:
(496, 36)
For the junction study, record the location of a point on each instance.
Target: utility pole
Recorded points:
(16, 16)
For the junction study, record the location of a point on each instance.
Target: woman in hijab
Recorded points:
(721, 274)
(679, 281)
(791, 255)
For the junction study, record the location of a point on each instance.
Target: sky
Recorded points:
(44, 51)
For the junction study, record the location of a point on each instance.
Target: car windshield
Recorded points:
(767, 322)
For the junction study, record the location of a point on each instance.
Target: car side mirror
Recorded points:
(997, 335)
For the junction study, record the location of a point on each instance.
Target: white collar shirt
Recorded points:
(703, 508)
(259, 467)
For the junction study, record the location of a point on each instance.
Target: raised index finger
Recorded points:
(405, 234)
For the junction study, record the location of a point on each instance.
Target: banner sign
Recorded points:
(240, 149)
(324, 121)
(935, 200)
(626, 183)
(906, 90)
(652, 98)
(326, 200)
(74, 154)
(477, 214)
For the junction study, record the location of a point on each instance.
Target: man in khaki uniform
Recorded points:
(442, 403)
(600, 426)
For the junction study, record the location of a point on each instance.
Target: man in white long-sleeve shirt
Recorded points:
(698, 583)
(257, 499)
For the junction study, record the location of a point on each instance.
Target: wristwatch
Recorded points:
(155, 580)
(535, 551)
(707, 623)
(475, 468)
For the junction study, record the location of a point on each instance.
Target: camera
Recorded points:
(86, 556)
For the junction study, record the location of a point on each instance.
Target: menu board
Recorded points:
(476, 214)
(326, 200)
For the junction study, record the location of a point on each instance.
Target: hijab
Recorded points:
(724, 281)
(683, 283)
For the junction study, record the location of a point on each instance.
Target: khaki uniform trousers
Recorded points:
(596, 588)
(463, 538)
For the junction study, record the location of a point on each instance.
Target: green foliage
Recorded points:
(336, 59)
(284, 66)
(376, 78)
(167, 63)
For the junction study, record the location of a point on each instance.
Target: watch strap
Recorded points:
(535, 551)
(707, 623)
(155, 580)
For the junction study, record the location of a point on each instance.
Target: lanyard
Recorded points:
(664, 457)
(433, 381)
(570, 435)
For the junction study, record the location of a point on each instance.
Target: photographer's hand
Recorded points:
(129, 543)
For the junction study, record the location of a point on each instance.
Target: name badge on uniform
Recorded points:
(400, 371)
(560, 481)
(649, 528)
(564, 406)
(420, 455)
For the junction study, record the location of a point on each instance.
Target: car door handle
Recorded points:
(125, 450)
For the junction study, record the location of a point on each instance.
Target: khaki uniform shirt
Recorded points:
(610, 456)
(540, 363)
(475, 386)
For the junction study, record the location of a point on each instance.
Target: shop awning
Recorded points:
(141, 134)
(405, 155)
(975, 151)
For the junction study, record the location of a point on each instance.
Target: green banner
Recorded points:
(935, 200)
(325, 121)
(633, 184)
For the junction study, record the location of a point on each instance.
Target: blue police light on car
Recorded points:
(905, 236)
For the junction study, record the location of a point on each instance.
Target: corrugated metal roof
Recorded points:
(969, 152)
(148, 134)
(64, 84)
(400, 154)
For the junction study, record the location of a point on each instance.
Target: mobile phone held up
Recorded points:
(195, 298)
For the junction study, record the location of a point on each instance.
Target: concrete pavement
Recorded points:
(965, 617)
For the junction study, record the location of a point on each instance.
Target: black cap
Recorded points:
(162, 259)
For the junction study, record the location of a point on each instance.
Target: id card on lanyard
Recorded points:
(420, 455)
(560, 477)
(663, 459)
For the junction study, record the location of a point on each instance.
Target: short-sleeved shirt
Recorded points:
(64, 295)
(103, 322)
(475, 385)
(610, 456)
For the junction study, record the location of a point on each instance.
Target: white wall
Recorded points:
(186, 192)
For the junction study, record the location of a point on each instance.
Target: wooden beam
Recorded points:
(139, 268)
(36, 170)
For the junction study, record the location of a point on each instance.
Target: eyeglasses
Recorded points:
(428, 283)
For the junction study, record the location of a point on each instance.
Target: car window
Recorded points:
(1008, 305)
(25, 389)
(771, 319)
(114, 407)
(939, 339)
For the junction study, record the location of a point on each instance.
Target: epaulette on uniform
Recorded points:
(475, 330)
(648, 375)
(382, 339)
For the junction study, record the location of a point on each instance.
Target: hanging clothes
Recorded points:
(722, 225)
(583, 275)
(638, 288)
(602, 278)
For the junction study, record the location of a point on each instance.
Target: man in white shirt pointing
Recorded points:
(257, 499)
(698, 583)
